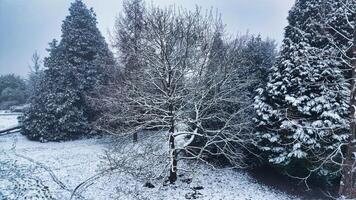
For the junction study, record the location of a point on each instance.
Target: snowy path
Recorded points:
(55, 170)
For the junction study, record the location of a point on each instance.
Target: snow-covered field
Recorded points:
(54, 170)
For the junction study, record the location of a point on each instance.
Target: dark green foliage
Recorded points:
(302, 110)
(12, 91)
(78, 64)
(256, 60)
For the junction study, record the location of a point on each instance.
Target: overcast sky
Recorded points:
(28, 25)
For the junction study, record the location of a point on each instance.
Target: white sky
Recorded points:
(28, 25)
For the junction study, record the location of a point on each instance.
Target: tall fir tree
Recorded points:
(85, 48)
(128, 38)
(302, 112)
(75, 66)
(217, 52)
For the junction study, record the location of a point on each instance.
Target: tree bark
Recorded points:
(173, 170)
(173, 152)
(135, 137)
(348, 179)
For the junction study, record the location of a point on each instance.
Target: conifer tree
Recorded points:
(128, 41)
(84, 47)
(129, 33)
(80, 62)
(257, 57)
(302, 112)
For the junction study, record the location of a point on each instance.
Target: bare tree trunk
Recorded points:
(173, 168)
(174, 162)
(348, 179)
(135, 137)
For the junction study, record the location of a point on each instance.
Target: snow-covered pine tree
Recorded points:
(75, 66)
(85, 48)
(302, 112)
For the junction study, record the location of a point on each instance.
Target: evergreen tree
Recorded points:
(75, 66)
(302, 112)
(85, 48)
(257, 58)
(129, 33)
(217, 53)
(12, 91)
(129, 43)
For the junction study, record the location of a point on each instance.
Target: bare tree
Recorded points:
(35, 73)
(36, 63)
(348, 181)
(176, 95)
(342, 35)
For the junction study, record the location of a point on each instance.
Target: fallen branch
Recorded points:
(8, 130)
(45, 168)
(85, 184)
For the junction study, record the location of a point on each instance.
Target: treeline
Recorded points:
(15, 90)
(215, 97)
(12, 91)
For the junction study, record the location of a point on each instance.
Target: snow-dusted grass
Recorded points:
(54, 170)
(61, 166)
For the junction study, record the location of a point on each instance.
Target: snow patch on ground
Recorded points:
(7, 120)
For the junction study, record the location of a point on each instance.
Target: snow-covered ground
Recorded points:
(7, 119)
(55, 170)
